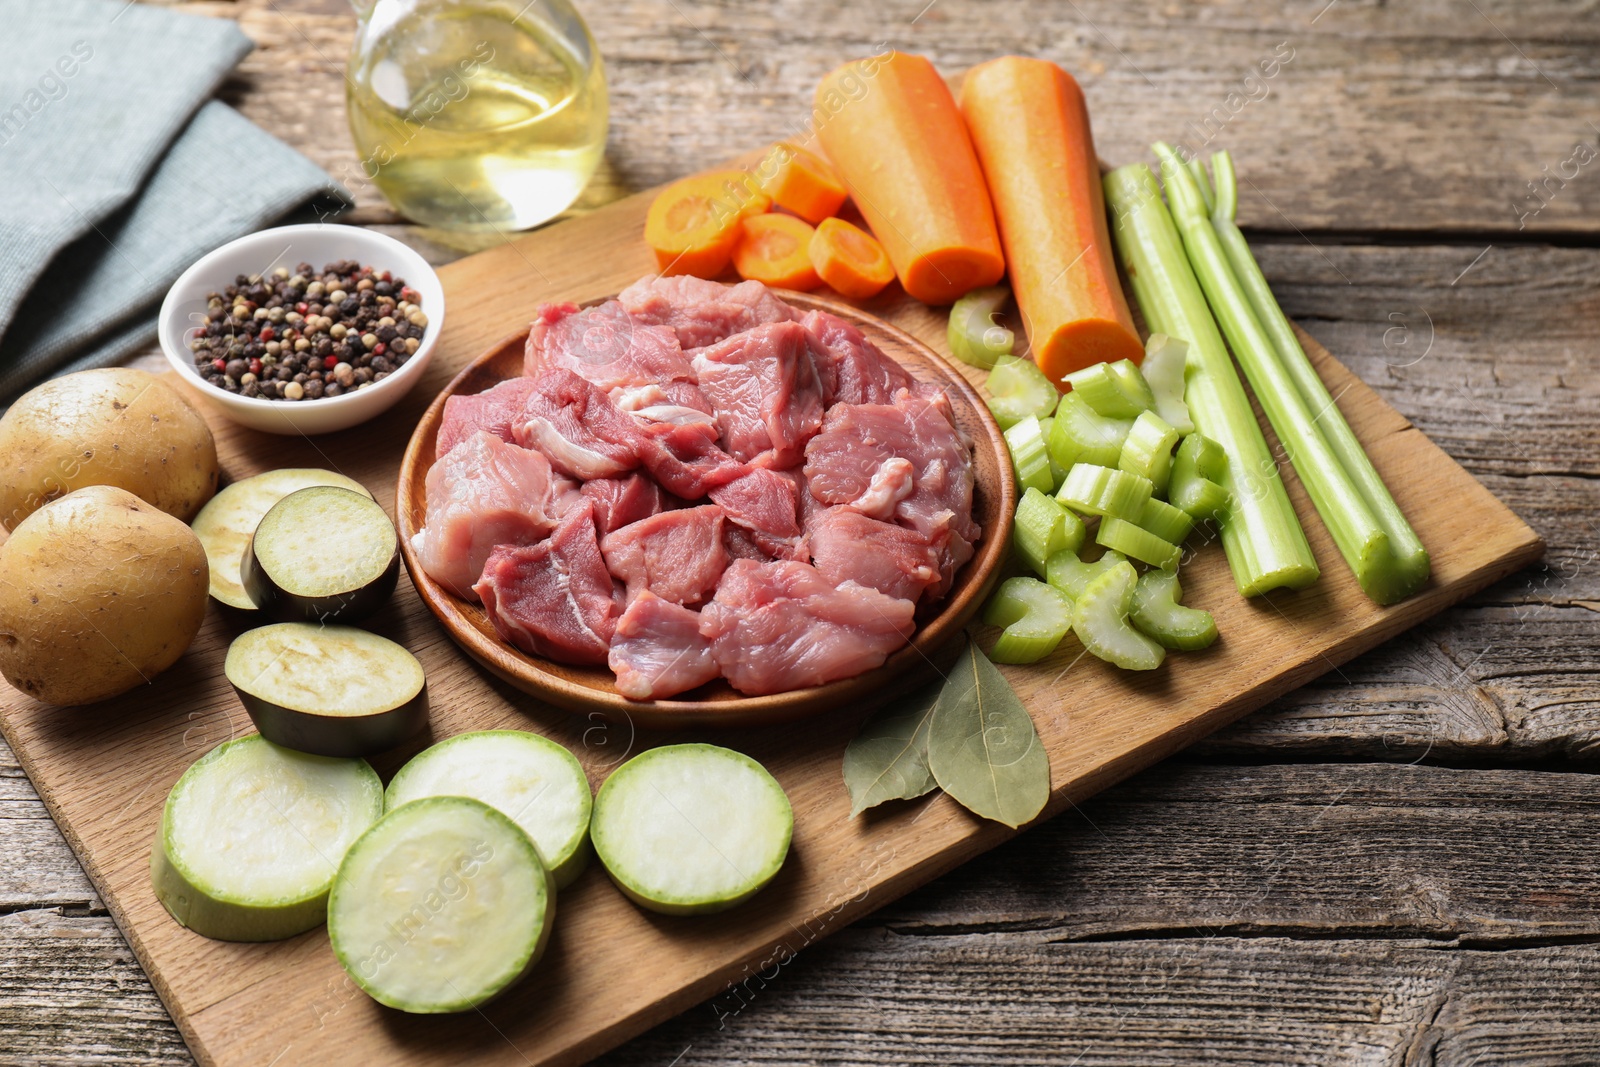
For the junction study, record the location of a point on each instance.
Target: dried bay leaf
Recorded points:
(982, 747)
(888, 759)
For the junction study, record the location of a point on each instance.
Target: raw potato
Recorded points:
(99, 592)
(114, 426)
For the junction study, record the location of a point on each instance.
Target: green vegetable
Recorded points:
(1035, 617)
(1096, 490)
(1193, 486)
(1198, 169)
(1372, 534)
(975, 334)
(1115, 390)
(1147, 451)
(1072, 575)
(1135, 542)
(1080, 434)
(1057, 471)
(888, 758)
(1166, 521)
(1043, 527)
(1266, 547)
(1100, 619)
(1018, 389)
(1029, 458)
(1164, 361)
(1157, 613)
(982, 746)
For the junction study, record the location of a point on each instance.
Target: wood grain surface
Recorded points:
(1391, 235)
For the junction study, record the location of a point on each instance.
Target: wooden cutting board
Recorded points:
(613, 970)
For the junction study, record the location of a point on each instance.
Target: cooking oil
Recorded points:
(477, 114)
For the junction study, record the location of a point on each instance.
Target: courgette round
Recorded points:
(530, 779)
(331, 690)
(322, 554)
(252, 835)
(440, 906)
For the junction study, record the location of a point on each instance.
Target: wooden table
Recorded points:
(1393, 865)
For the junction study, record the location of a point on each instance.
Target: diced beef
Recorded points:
(763, 503)
(575, 424)
(604, 345)
(677, 555)
(665, 402)
(850, 368)
(483, 493)
(763, 388)
(620, 501)
(742, 545)
(847, 546)
(494, 410)
(699, 312)
(780, 626)
(555, 598)
(684, 457)
(658, 650)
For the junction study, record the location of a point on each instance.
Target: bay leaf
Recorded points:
(982, 747)
(888, 759)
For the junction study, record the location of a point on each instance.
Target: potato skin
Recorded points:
(114, 426)
(100, 593)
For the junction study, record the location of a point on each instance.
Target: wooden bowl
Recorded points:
(591, 689)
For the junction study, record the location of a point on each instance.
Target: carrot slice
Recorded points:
(849, 260)
(693, 224)
(891, 128)
(804, 184)
(773, 250)
(1031, 130)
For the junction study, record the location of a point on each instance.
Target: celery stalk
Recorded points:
(1100, 619)
(1025, 440)
(974, 333)
(1042, 528)
(1406, 565)
(1147, 451)
(1018, 389)
(1157, 613)
(1080, 434)
(1104, 491)
(1115, 390)
(1035, 616)
(1136, 542)
(1266, 547)
(1072, 576)
(1166, 521)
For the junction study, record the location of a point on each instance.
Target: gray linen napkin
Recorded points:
(111, 188)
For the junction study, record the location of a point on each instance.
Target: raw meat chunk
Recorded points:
(780, 626)
(620, 501)
(494, 410)
(658, 650)
(847, 546)
(742, 545)
(701, 312)
(850, 368)
(483, 493)
(604, 345)
(677, 555)
(684, 457)
(891, 483)
(665, 402)
(763, 388)
(763, 503)
(575, 424)
(555, 598)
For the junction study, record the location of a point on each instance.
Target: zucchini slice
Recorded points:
(688, 829)
(225, 524)
(439, 907)
(252, 835)
(322, 554)
(332, 690)
(530, 779)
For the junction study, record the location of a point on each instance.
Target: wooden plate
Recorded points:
(591, 689)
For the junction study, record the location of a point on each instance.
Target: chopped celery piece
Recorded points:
(1018, 389)
(1166, 521)
(1135, 542)
(1266, 547)
(974, 334)
(1057, 471)
(1043, 528)
(1035, 616)
(1028, 455)
(1194, 486)
(1080, 434)
(1115, 390)
(1164, 360)
(1203, 456)
(1100, 619)
(1157, 613)
(1096, 490)
(1147, 451)
(1072, 575)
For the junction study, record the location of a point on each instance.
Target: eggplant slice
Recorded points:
(322, 554)
(328, 690)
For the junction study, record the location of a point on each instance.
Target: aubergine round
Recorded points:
(322, 554)
(328, 690)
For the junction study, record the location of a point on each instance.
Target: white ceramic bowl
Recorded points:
(263, 252)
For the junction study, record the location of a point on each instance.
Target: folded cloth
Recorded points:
(115, 183)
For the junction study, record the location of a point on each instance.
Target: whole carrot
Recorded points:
(1030, 128)
(892, 130)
